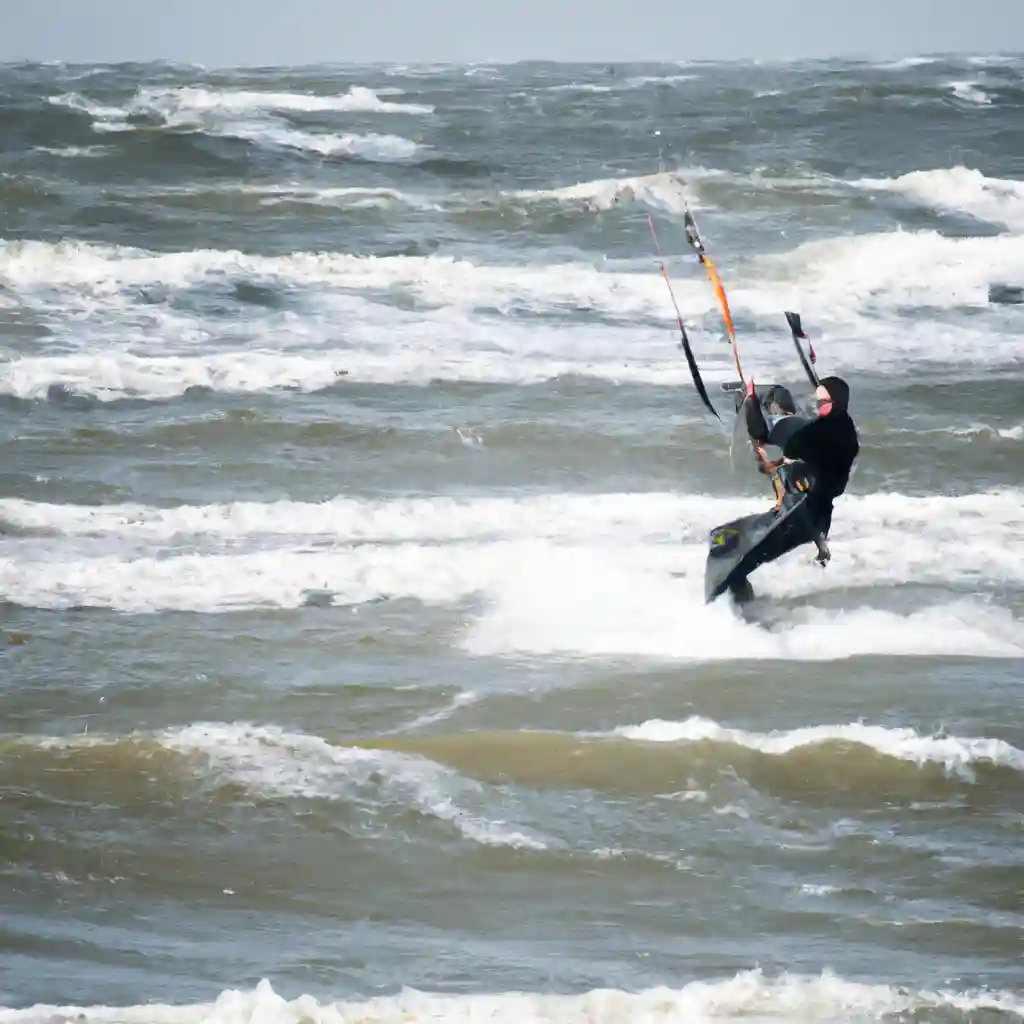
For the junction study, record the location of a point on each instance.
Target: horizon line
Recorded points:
(848, 57)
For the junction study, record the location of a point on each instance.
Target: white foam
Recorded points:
(106, 270)
(970, 432)
(959, 190)
(986, 522)
(483, 71)
(955, 753)
(121, 375)
(109, 378)
(367, 146)
(810, 889)
(992, 60)
(592, 575)
(76, 101)
(665, 191)
(353, 197)
(614, 853)
(748, 996)
(984, 430)
(907, 63)
(442, 714)
(858, 275)
(580, 517)
(579, 87)
(182, 106)
(186, 102)
(971, 92)
(872, 274)
(641, 80)
(272, 762)
(89, 293)
(577, 604)
(645, 599)
(246, 114)
(424, 70)
(73, 152)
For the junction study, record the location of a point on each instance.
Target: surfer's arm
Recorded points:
(802, 445)
(769, 464)
(757, 428)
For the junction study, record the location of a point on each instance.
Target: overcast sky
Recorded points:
(231, 32)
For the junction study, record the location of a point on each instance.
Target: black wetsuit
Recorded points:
(827, 444)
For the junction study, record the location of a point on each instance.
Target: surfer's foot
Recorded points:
(741, 592)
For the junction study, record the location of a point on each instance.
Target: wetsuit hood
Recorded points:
(839, 390)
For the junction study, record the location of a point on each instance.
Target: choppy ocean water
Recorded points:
(353, 507)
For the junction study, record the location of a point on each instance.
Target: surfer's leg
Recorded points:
(819, 512)
(741, 591)
(819, 522)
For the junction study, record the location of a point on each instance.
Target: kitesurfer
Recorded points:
(827, 444)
